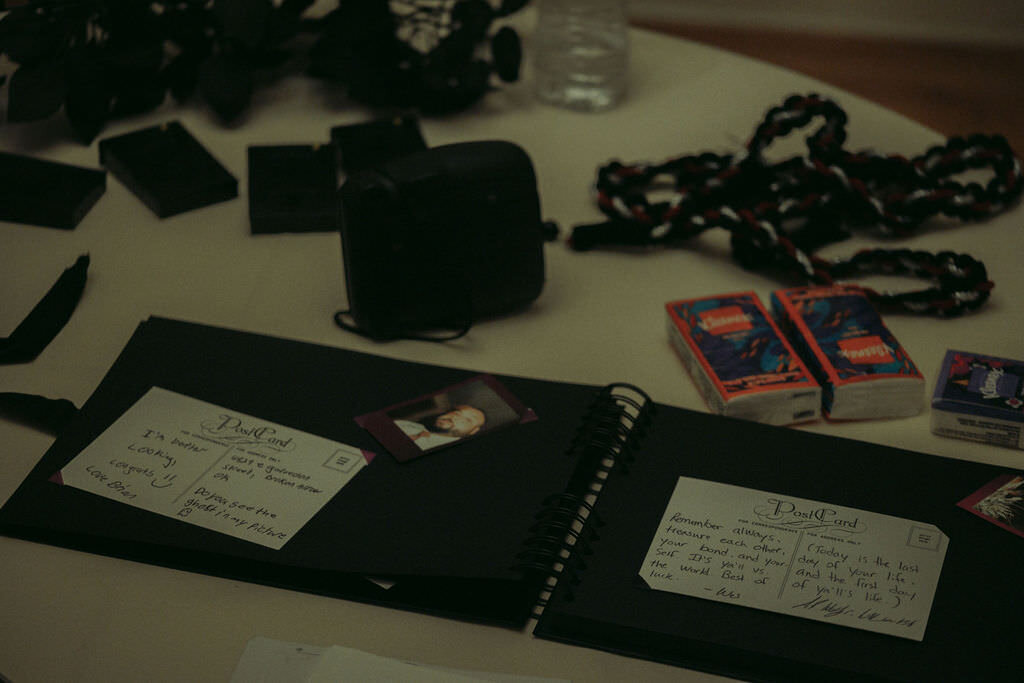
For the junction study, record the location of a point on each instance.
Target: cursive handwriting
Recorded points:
(787, 513)
(829, 607)
(232, 430)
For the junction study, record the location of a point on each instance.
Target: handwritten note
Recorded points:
(795, 556)
(214, 467)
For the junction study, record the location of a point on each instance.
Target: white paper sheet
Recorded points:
(266, 660)
(795, 556)
(214, 467)
(338, 664)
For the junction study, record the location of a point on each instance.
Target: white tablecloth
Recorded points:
(76, 616)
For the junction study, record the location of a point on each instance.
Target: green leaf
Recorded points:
(36, 91)
(511, 6)
(244, 20)
(29, 38)
(286, 20)
(226, 85)
(87, 104)
(133, 55)
(137, 98)
(181, 75)
(507, 53)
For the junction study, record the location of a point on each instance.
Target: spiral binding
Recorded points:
(566, 526)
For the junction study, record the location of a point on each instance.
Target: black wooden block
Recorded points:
(168, 169)
(363, 145)
(47, 193)
(292, 188)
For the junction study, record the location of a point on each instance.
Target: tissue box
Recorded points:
(864, 372)
(740, 361)
(980, 398)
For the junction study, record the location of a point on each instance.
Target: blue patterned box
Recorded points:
(740, 361)
(980, 398)
(863, 370)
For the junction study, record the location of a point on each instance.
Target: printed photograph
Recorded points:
(1000, 502)
(446, 417)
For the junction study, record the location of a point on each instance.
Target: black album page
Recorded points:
(604, 602)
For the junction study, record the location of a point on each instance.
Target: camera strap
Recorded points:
(343, 319)
(819, 194)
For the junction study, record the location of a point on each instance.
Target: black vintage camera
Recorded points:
(441, 238)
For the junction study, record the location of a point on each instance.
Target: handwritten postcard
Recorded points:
(795, 556)
(214, 467)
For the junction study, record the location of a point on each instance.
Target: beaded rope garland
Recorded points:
(823, 191)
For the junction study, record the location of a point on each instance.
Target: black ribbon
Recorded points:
(48, 318)
(45, 414)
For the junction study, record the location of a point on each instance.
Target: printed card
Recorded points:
(795, 556)
(214, 467)
(843, 334)
(1000, 502)
(447, 417)
(738, 345)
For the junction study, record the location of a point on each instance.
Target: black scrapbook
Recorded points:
(600, 601)
(552, 516)
(452, 533)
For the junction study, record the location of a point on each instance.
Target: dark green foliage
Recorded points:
(88, 98)
(434, 66)
(226, 84)
(103, 59)
(244, 21)
(36, 91)
(27, 37)
(508, 54)
(511, 6)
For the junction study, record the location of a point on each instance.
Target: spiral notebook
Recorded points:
(556, 515)
(455, 533)
(603, 595)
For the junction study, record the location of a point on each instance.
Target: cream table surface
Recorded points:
(69, 616)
